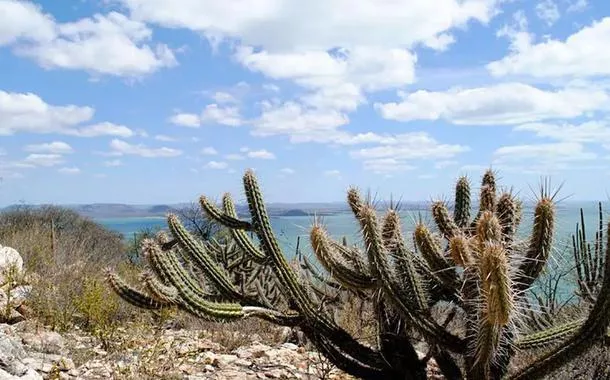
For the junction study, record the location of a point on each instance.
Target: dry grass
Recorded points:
(63, 255)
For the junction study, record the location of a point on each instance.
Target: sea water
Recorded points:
(289, 228)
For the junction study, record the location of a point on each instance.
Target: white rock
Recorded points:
(9, 257)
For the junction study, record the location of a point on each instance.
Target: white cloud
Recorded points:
(582, 54)
(505, 103)
(288, 171)
(209, 151)
(57, 147)
(102, 44)
(113, 163)
(186, 120)
(548, 11)
(301, 123)
(21, 20)
(234, 157)
(577, 6)
(262, 154)
(222, 97)
(120, 147)
(217, 165)
(543, 153)
(336, 80)
(244, 149)
(282, 26)
(594, 131)
(164, 138)
(386, 165)
(69, 170)
(28, 113)
(38, 159)
(213, 114)
(103, 129)
(409, 146)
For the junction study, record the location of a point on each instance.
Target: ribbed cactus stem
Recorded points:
(349, 277)
(239, 235)
(460, 251)
(461, 212)
(222, 218)
(432, 252)
(354, 201)
(488, 229)
(131, 294)
(496, 284)
(445, 224)
(541, 242)
(508, 211)
(497, 304)
(159, 291)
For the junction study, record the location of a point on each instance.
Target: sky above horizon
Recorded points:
(152, 101)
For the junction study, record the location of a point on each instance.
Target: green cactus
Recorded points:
(480, 267)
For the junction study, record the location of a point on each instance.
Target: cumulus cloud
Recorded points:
(57, 147)
(186, 120)
(582, 54)
(102, 44)
(215, 114)
(120, 147)
(262, 154)
(284, 26)
(28, 113)
(216, 165)
(505, 103)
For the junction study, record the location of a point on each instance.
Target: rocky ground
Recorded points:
(30, 352)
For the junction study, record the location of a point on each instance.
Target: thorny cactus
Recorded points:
(477, 266)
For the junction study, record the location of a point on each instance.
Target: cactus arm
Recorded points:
(406, 272)
(432, 253)
(351, 255)
(461, 211)
(159, 291)
(132, 295)
(540, 243)
(446, 225)
(592, 330)
(222, 218)
(350, 278)
(549, 336)
(508, 211)
(240, 237)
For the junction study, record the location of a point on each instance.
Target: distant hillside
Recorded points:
(119, 210)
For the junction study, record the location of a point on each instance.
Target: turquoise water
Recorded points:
(288, 228)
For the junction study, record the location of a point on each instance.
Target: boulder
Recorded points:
(9, 257)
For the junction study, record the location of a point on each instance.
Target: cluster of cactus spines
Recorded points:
(478, 265)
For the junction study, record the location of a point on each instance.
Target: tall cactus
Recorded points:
(479, 266)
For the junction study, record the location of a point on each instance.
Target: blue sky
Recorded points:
(151, 101)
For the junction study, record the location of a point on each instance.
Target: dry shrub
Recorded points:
(64, 254)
